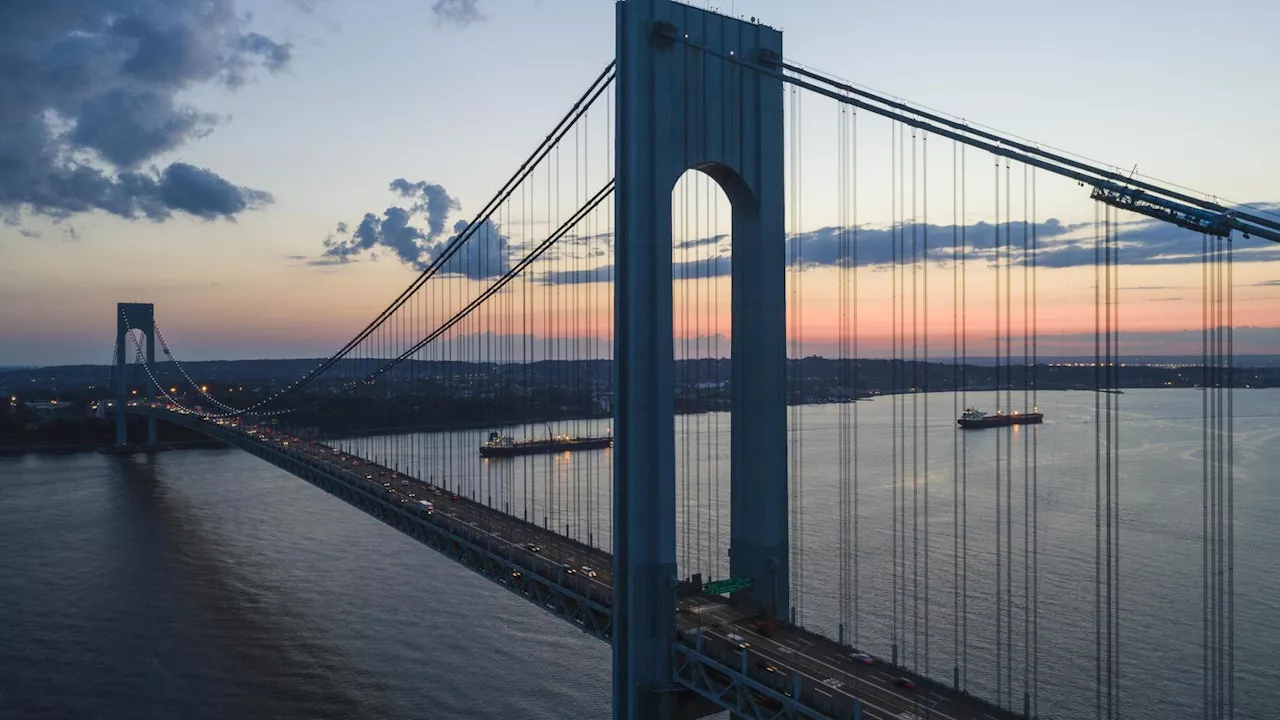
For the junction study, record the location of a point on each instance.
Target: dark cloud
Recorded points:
(600, 274)
(88, 96)
(484, 254)
(718, 266)
(699, 242)
(457, 12)
(204, 194)
(29, 233)
(1141, 243)
(1267, 283)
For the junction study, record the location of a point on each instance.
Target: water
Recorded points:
(208, 584)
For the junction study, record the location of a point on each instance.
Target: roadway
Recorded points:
(829, 677)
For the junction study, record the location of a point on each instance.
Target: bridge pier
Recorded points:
(680, 108)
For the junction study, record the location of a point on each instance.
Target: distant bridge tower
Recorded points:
(133, 316)
(683, 107)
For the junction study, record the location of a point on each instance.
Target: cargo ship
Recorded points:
(500, 445)
(976, 419)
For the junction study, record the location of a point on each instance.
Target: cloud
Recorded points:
(699, 242)
(1267, 283)
(484, 254)
(1141, 242)
(430, 200)
(718, 266)
(457, 12)
(24, 232)
(89, 95)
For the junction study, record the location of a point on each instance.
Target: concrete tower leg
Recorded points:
(150, 333)
(682, 107)
(121, 380)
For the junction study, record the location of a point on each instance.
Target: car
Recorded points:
(738, 640)
(532, 548)
(412, 495)
(861, 657)
(385, 485)
(457, 497)
(905, 683)
(766, 666)
(568, 570)
(588, 571)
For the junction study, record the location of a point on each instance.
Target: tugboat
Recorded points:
(500, 445)
(973, 419)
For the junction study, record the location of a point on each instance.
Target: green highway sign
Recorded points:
(721, 587)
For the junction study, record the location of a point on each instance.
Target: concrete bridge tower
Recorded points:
(133, 316)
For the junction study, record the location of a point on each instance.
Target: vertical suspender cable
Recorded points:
(1008, 459)
(1000, 437)
(1230, 463)
(894, 130)
(842, 379)
(963, 682)
(856, 384)
(1097, 464)
(955, 411)
(924, 259)
(1035, 463)
(915, 419)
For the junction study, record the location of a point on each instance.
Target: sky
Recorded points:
(197, 154)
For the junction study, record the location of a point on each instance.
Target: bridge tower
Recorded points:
(689, 98)
(133, 316)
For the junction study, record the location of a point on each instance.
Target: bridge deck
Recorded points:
(792, 663)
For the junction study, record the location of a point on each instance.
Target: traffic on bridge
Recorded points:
(831, 679)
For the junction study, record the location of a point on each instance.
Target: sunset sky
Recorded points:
(197, 159)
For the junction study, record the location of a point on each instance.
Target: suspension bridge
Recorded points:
(693, 270)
